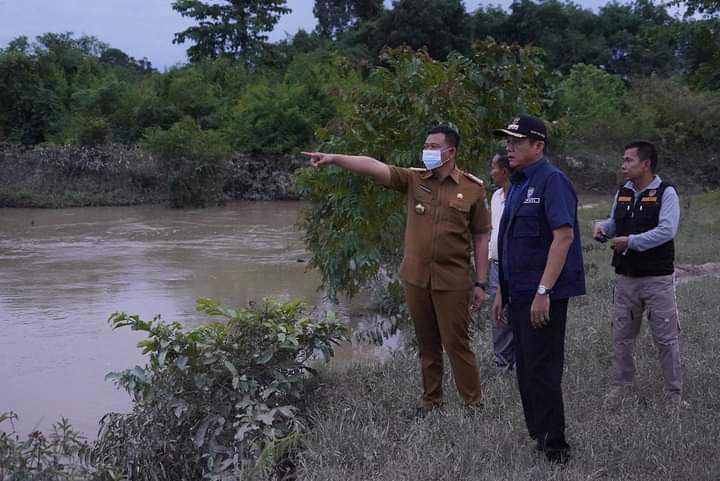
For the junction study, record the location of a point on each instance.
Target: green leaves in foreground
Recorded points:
(61, 455)
(214, 401)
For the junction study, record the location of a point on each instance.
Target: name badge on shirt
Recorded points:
(625, 198)
(649, 199)
(532, 200)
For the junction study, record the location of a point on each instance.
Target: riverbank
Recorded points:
(57, 176)
(364, 429)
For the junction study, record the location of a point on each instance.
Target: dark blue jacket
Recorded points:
(541, 199)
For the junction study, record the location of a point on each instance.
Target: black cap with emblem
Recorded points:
(522, 127)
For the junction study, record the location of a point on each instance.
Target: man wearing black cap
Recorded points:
(541, 267)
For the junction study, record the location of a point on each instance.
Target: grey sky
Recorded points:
(141, 28)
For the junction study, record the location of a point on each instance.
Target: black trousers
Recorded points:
(539, 357)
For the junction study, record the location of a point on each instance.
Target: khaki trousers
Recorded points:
(441, 321)
(656, 296)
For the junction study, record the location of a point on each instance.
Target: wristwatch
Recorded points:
(481, 285)
(543, 291)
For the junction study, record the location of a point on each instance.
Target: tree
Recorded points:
(590, 104)
(705, 7)
(228, 28)
(27, 106)
(440, 26)
(337, 16)
(192, 160)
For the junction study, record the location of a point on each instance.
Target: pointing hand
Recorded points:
(319, 159)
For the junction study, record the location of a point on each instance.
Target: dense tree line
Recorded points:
(647, 72)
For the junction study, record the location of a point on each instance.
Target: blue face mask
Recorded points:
(432, 159)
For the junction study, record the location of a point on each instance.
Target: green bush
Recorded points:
(221, 401)
(685, 125)
(192, 161)
(598, 116)
(590, 103)
(63, 455)
(270, 119)
(279, 115)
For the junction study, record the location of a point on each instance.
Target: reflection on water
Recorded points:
(64, 271)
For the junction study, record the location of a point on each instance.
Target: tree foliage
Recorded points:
(633, 39)
(192, 160)
(228, 28)
(221, 401)
(337, 16)
(705, 7)
(439, 26)
(62, 455)
(591, 103)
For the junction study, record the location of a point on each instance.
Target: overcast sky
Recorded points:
(142, 28)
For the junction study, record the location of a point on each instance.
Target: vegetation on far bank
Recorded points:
(599, 78)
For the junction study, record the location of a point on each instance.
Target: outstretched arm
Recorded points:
(354, 163)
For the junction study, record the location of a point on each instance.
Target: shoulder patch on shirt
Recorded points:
(474, 179)
(625, 198)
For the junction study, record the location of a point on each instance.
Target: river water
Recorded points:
(63, 272)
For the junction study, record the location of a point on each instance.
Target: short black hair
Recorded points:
(646, 151)
(502, 160)
(451, 135)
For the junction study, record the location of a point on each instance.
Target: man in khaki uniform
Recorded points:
(447, 217)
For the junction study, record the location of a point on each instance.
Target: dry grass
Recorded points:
(364, 430)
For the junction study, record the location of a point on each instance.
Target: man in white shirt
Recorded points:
(502, 333)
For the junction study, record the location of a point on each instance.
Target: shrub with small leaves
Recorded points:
(61, 455)
(221, 401)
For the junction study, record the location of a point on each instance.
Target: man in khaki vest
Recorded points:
(447, 217)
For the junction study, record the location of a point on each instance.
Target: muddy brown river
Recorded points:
(62, 272)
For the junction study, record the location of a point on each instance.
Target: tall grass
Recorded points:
(364, 428)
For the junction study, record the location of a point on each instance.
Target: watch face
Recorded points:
(542, 290)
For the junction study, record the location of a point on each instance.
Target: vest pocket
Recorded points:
(527, 224)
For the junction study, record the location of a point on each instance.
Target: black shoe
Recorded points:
(474, 409)
(421, 412)
(558, 456)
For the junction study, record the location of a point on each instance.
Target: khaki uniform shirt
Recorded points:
(442, 217)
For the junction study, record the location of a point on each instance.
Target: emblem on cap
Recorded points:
(420, 209)
(460, 196)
